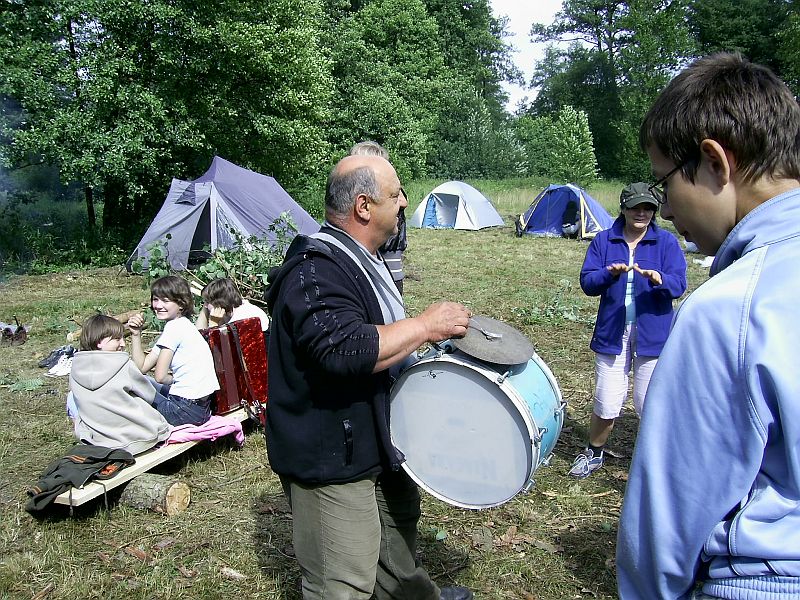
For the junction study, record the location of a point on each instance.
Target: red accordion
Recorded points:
(240, 361)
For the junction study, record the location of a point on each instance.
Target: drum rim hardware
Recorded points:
(503, 377)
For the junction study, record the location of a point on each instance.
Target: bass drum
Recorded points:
(474, 433)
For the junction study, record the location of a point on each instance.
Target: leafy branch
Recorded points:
(247, 262)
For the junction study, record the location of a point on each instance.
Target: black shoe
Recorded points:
(69, 351)
(455, 592)
(53, 357)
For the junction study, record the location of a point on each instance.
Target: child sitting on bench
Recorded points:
(110, 400)
(181, 358)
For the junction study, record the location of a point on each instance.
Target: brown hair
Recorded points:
(743, 106)
(176, 289)
(222, 292)
(97, 328)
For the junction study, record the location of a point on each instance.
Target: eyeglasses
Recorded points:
(657, 189)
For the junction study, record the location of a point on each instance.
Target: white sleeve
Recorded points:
(170, 337)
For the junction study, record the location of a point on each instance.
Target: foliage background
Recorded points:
(102, 102)
(107, 100)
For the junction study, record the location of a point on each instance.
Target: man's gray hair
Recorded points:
(343, 188)
(369, 148)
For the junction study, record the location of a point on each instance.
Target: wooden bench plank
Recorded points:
(144, 462)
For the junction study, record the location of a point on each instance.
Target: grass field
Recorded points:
(234, 540)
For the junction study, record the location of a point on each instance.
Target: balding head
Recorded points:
(351, 177)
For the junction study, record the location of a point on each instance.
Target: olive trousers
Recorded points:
(353, 540)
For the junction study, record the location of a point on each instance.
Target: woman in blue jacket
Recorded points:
(637, 269)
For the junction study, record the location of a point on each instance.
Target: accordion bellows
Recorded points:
(240, 361)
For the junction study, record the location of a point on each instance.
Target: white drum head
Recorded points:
(465, 440)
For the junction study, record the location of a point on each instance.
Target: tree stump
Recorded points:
(160, 493)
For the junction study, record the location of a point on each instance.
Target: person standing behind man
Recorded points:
(338, 334)
(637, 269)
(392, 249)
(713, 495)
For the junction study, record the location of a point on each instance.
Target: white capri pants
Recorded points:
(611, 377)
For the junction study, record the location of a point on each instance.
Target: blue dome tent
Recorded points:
(544, 216)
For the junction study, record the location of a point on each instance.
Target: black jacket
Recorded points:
(328, 414)
(81, 463)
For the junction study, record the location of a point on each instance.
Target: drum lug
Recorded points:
(440, 348)
(561, 408)
(437, 352)
(529, 485)
(542, 431)
(503, 377)
(546, 461)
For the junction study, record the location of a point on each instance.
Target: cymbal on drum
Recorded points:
(493, 341)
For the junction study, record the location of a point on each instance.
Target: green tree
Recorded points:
(559, 147)
(660, 45)
(752, 27)
(420, 77)
(582, 78)
(534, 133)
(789, 52)
(472, 143)
(621, 54)
(121, 96)
(598, 24)
(573, 147)
(390, 77)
(472, 41)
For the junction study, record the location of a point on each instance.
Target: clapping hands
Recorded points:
(617, 269)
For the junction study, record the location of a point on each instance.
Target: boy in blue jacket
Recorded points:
(712, 507)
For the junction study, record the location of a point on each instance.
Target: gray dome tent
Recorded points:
(455, 205)
(202, 212)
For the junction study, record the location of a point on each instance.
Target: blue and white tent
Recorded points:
(455, 205)
(544, 216)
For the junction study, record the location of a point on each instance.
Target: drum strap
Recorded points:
(229, 374)
(382, 287)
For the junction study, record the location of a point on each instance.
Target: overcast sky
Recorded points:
(521, 14)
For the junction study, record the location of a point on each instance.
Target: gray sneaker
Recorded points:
(586, 463)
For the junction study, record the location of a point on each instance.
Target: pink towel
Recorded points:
(215, 427)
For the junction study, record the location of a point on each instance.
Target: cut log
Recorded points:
(73, 336)
(160, 493)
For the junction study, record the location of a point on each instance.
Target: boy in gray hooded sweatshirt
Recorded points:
(111, 399)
